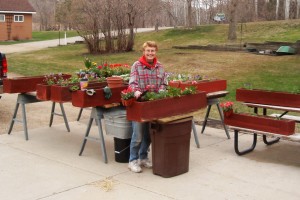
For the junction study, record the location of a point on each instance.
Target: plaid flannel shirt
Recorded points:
(143, 78)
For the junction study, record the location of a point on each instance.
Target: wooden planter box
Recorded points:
(61, 94)
(152, 110)
(21, 84)
(261, 123)
(82, 100)
(43, 92)
(268, 97)
(24, 84)
(207, 86)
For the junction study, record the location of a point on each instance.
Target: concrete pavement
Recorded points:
(48, 167)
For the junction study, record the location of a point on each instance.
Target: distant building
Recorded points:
(15, 20)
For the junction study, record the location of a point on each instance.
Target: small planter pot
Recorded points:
(82, 99)
(153, 110)
(114, 81)
(268, 97)
(207, 86)
(228, 113)
(128, 102)
(43, 92)
(24, 84)
(261, 123)
(175, 84)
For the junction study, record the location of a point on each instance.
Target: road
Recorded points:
(34, 46)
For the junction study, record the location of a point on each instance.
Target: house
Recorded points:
(15, 20)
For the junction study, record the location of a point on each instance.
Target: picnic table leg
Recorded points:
(236, 144)
(270, 142)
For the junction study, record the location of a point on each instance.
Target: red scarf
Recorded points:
(144, 62)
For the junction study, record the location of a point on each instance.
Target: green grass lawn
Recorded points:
(280, 73)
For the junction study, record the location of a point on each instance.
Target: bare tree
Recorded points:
(87, 22)
(45, 13)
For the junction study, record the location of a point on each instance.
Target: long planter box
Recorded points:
(82, 100)
(43, 92)
(61, 94)
(207, 86)
(268, 97)
(152, 110)
(261, 123)
(24, 84)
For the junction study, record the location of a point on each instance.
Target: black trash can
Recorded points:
(122, 150)
(171, 147)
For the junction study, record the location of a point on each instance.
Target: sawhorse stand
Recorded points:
(26, 98)
(97, 114)
(210, 102)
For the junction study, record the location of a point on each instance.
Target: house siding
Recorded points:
(19, 30)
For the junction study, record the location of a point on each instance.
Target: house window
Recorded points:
(2, 18)
(19, 18)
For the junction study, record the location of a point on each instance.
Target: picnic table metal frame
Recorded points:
(295, 137)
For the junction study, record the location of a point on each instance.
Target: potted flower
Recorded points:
(43, 90)
(227, 108)
(127, 96)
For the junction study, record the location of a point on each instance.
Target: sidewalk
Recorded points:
(48, 167)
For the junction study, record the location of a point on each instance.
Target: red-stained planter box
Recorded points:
(82, 100)
(268, 97)
(207, 86)
(24, 84)
(61, 94)
(261, 123)
(152, 110)
(43, 92)
(21, 84)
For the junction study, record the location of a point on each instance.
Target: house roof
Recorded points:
(16, 6)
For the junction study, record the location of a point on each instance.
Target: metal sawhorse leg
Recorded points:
(195, 134)
(97, 114)
(62, 114)
(26, 98)
(216, 102)
(23, 99)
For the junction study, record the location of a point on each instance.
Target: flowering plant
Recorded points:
(226, 106)
(92, 69)
(127, 94)
(53, 79)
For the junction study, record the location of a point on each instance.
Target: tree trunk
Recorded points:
(189, 13)
(232, 20)
(287, 10)
(277, 9)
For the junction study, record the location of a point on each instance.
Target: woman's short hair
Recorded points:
(150, 44)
